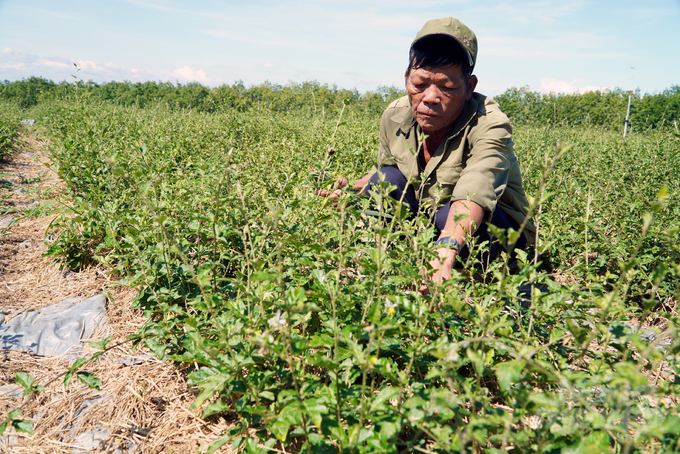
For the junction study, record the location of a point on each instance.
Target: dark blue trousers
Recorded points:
(394, 177)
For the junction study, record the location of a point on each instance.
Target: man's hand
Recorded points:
(463, 219)
(341, 183)
(336, 191)
(361, 183)
(442, 266)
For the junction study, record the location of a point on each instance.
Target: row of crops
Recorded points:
(9, 127)
(301, 318)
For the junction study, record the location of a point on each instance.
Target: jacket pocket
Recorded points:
(449, 174)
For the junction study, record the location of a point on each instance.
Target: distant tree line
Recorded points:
(311, 96)
(600, 109)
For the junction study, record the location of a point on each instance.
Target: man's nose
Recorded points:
(432, 95)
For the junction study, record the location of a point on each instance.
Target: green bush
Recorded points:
(9, 127)
(594, 109)
(303, 318)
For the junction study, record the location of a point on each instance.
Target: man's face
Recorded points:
(437, 96)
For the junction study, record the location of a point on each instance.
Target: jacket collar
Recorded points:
(469, 112)
(404, 118)
(406, 121)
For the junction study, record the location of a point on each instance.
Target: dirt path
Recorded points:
(143, 404)
(27, 279)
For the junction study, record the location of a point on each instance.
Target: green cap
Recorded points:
(455, 29)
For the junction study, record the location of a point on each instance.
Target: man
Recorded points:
(443, 134)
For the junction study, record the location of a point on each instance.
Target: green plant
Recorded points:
(303, 318)
(9, 127)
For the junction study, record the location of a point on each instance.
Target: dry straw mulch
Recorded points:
(142, 407)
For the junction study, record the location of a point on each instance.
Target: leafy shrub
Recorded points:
(9, 127)
(28, 92)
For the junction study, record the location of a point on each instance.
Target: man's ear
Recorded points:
(472, 84)
(406, 76)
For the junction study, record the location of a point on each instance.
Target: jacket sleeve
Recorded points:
(385, 157)
(485, 175)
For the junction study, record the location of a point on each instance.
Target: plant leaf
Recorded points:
(23, 426)
(24, 380)
(101, 345)
(89, 379)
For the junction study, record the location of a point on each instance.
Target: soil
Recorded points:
(142, 407)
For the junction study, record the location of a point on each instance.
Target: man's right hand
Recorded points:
(335, 192)
(443, 265)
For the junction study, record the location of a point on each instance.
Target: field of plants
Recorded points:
(301, 318)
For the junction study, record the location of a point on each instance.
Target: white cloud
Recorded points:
(86, 65)
(548, 85)
(18, 66)
(56, 64)
(189, 74)
(59, 68)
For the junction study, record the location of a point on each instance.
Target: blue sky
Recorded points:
(560, 46)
